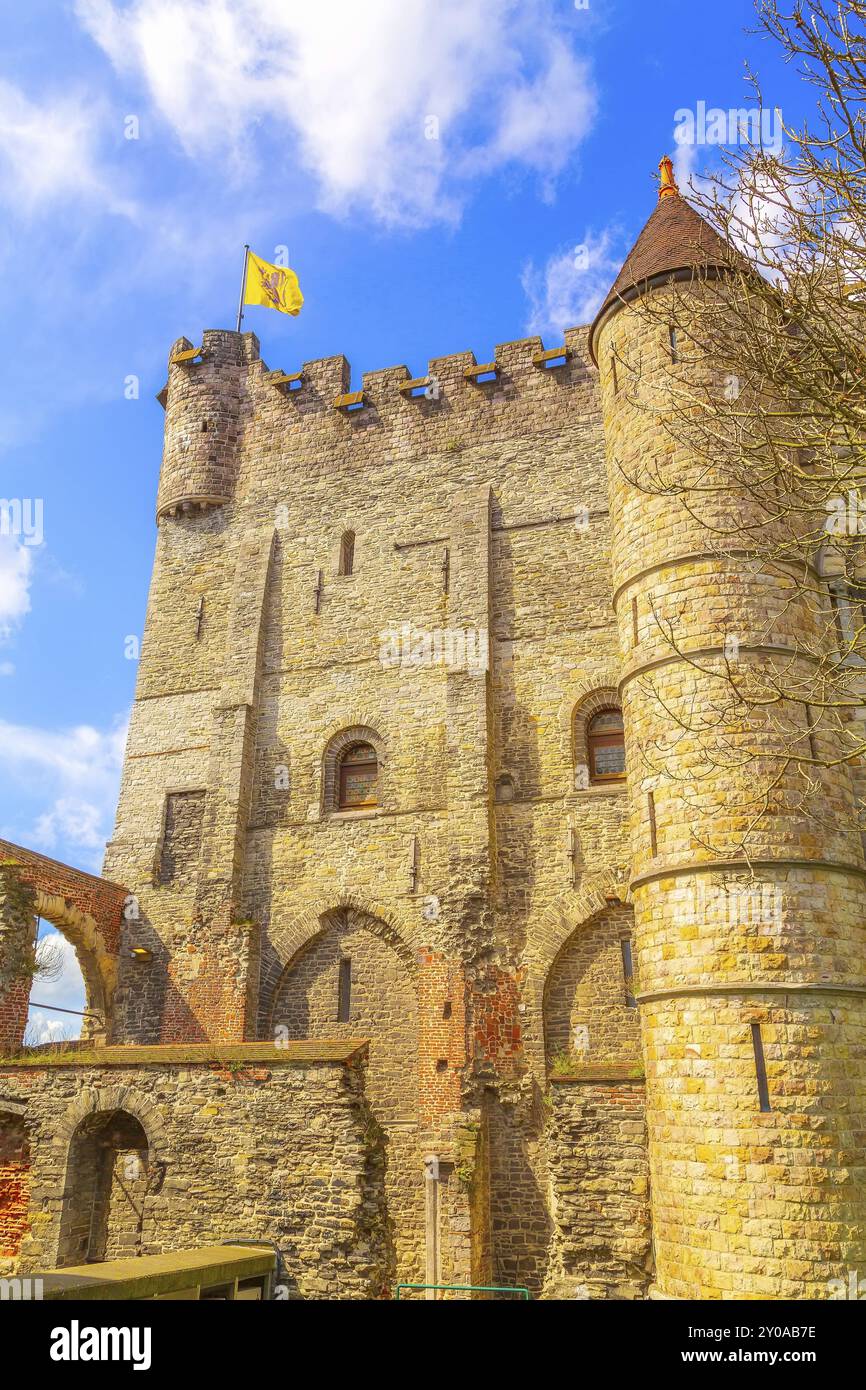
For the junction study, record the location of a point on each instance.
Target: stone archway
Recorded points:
(108, 1175)
(113, 1140)
(285, 940)
(586, 1013)
(599, 894)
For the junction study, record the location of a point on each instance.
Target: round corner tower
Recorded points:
(202, 404)
(752, 965)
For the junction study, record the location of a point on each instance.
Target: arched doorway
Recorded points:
(58, 1006)
(109, 1175)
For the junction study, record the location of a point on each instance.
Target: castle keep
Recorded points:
(401, 958)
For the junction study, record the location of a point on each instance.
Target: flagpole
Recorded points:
(243, 287)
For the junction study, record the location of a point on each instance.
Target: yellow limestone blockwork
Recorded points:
(748, 1201)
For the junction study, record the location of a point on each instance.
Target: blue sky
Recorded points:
(431, 168)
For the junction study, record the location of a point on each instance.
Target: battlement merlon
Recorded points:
(218, 389)
(332, 375)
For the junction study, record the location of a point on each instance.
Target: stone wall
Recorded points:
(748, 882)
(256, 1142)
(476, 619)
(382, 1005)
(599, 1189)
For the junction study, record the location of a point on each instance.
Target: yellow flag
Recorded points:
(274, 286)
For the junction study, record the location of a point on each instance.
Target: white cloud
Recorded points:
(16, 573)
(570, 288)
(348, 93)
(65, 784)
(66, 991)
(49, 152)
(72, 820)
(52, 1028)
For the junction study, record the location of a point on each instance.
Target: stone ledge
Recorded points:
(183, 1054)
(613, 1072)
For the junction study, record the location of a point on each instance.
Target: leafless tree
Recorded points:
(762, 403)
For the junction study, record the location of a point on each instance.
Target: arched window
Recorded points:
(605, 745)
(358, 779)
(347, 553)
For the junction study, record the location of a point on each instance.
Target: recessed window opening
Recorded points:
(761, 1068)
(347, 552)
(359, 773)
(605, 745)
(344, 990)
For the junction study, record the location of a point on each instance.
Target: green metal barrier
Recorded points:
(466, 1288)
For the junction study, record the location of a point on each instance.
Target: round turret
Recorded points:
(199, 461)
(749, 914)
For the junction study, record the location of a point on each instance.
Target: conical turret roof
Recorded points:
(674, 238)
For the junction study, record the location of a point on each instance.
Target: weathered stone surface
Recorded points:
(286, 1153)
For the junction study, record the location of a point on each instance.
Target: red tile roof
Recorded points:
(675, 237)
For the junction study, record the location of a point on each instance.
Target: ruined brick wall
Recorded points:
(17, 933)
(87, 910)
(599, 1190)
(257, 1145)
(14, 1184)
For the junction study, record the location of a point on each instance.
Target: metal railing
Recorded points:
(465, 1288)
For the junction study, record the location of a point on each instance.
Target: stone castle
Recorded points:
(401, 960)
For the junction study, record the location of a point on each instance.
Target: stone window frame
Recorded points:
(604, 698)
(336, 746)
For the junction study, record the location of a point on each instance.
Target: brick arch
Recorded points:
(555, 928)
(98, 964)
(85, 909)
(288, 942)
(336, 745)
(605, 677)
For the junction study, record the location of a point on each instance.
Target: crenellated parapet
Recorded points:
(227, 410)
